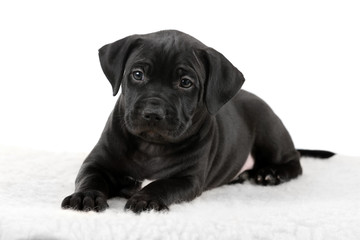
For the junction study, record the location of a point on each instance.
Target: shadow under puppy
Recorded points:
(182, 122)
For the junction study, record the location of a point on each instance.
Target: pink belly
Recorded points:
(249, 164)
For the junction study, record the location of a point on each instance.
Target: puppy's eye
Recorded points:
(138, 75)
(186, 83)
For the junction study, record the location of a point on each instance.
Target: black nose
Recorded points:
(153, 114)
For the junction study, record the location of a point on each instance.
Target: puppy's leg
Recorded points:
(91, 192)
(159, 194)
(276, 172)
(276, 159)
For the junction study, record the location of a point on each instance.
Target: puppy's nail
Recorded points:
(259, 178)
(269, 178)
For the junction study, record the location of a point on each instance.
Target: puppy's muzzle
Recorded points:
(155, 119)
(153, 111)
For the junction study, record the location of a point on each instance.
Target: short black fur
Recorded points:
(315, 153)
(186, 139)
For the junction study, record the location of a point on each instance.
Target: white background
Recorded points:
(301, 57)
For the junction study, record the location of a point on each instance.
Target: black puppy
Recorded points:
(182, 123)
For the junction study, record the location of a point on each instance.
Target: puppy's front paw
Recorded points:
(86, 201)
(142, 202)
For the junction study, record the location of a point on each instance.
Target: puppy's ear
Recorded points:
(223, 80)
(113, 58)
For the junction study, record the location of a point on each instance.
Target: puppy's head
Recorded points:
(168, 79)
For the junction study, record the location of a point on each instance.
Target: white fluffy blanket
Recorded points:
(324, 203)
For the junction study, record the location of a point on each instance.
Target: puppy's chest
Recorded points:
(155, 164)
(155, 161)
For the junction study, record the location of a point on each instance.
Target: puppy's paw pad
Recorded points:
(141, 202)
(86, 201)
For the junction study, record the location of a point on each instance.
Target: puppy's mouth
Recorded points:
(157, 133)
(157, 136)
(152, 135)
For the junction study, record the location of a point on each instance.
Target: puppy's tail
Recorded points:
(315, 153)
